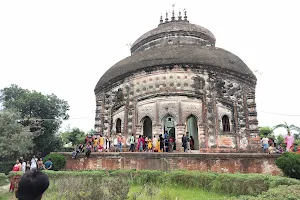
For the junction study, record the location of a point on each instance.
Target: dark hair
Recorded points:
(49, 159)
(32, 185)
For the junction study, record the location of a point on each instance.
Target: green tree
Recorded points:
(75, 135)
(265, 131)
(288, 128)
(15, 139)
(48, 111)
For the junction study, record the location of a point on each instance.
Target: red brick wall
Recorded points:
(215, 162)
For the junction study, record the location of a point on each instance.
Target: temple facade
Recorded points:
(176, 80)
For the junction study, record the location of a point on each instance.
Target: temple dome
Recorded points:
(174, 33)
(174, 42)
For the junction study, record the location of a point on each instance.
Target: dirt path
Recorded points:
(4, 188)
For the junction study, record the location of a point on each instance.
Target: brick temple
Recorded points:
(177, 80)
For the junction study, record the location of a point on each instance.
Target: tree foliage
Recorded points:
(15, 139)
(265, 131)
(75, 135)
(287, 127)
(48, 111)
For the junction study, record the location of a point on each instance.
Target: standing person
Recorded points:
(33, 165)
(183, 140)
(265, 143)
(188, 144)
(132, 141)
(101, 142)
(23, 165)
(140, 143)
(48, 164)
(27, 165)
(13, 181)
(154, 143)
(149, 145)
(107, 143)
(119, 140)
(161, 139)
(96, 143)
(192, 143)
(40, 164)
(289, 140)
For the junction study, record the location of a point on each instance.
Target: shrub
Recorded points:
(58, 161)
(6, 166)
(289, 163)
(3, 179)
(281, 192)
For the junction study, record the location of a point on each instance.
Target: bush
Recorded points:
(58, 161)
(6, 166)
(3, 179)
(289, 163)
(281, 192)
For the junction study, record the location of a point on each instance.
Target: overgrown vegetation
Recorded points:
(3, 179)
(85, 184)
(289, 163)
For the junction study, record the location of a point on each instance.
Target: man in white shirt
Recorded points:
(265, 143)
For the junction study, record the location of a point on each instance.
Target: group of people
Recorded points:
(272, 147)
(163, 143)
(34, 164)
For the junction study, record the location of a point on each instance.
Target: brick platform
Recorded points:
(215, 162)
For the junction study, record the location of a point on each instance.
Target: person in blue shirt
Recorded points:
(48, 164)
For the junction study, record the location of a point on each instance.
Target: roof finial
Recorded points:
(185, 17)
(161, 19)
(179, 16)
(173, 14)
(166, 20)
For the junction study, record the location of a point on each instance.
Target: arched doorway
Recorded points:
(147, 127)
(118, 125)
(192, 128)
(169, 125)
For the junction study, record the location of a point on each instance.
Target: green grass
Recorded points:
(150, 192)
(145, 192)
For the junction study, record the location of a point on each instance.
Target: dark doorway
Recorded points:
(225, 123)
(147, 127)
(192, 128)
(118, 125)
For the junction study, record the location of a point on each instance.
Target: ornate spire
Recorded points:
(179, 16)
(167, 19)
(185, 17)
(173, 14)
(161, 19)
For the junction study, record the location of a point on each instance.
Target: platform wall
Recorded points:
(214, 162)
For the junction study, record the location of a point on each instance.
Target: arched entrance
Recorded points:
(169, 125)
(118, 125)
(192, 128)
(147, 127)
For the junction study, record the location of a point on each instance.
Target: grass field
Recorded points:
(139, 193)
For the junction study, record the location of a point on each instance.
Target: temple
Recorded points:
(176, 80)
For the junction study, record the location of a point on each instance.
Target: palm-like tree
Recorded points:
(287, 127)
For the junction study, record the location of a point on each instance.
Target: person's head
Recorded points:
(32, 185)
(41, 159)
(272, 145)
(132, 134)
(17, 161)
(140, 136)
(154, 136)
(289, 133)
(49, 159)
(191, 137)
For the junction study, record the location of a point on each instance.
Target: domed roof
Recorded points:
(174, 54)
(167, 28)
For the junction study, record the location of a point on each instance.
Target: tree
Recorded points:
(15, 139)
(49, 110)
(75, 135)
(265, 131)
(288, 128)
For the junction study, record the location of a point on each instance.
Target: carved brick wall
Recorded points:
(181, 91)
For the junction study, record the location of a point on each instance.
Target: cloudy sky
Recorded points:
(64, 46)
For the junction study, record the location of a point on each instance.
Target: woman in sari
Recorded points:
(158, 145)
(289, 140)
(14, 180)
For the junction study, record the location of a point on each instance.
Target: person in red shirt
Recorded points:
(14, 180)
